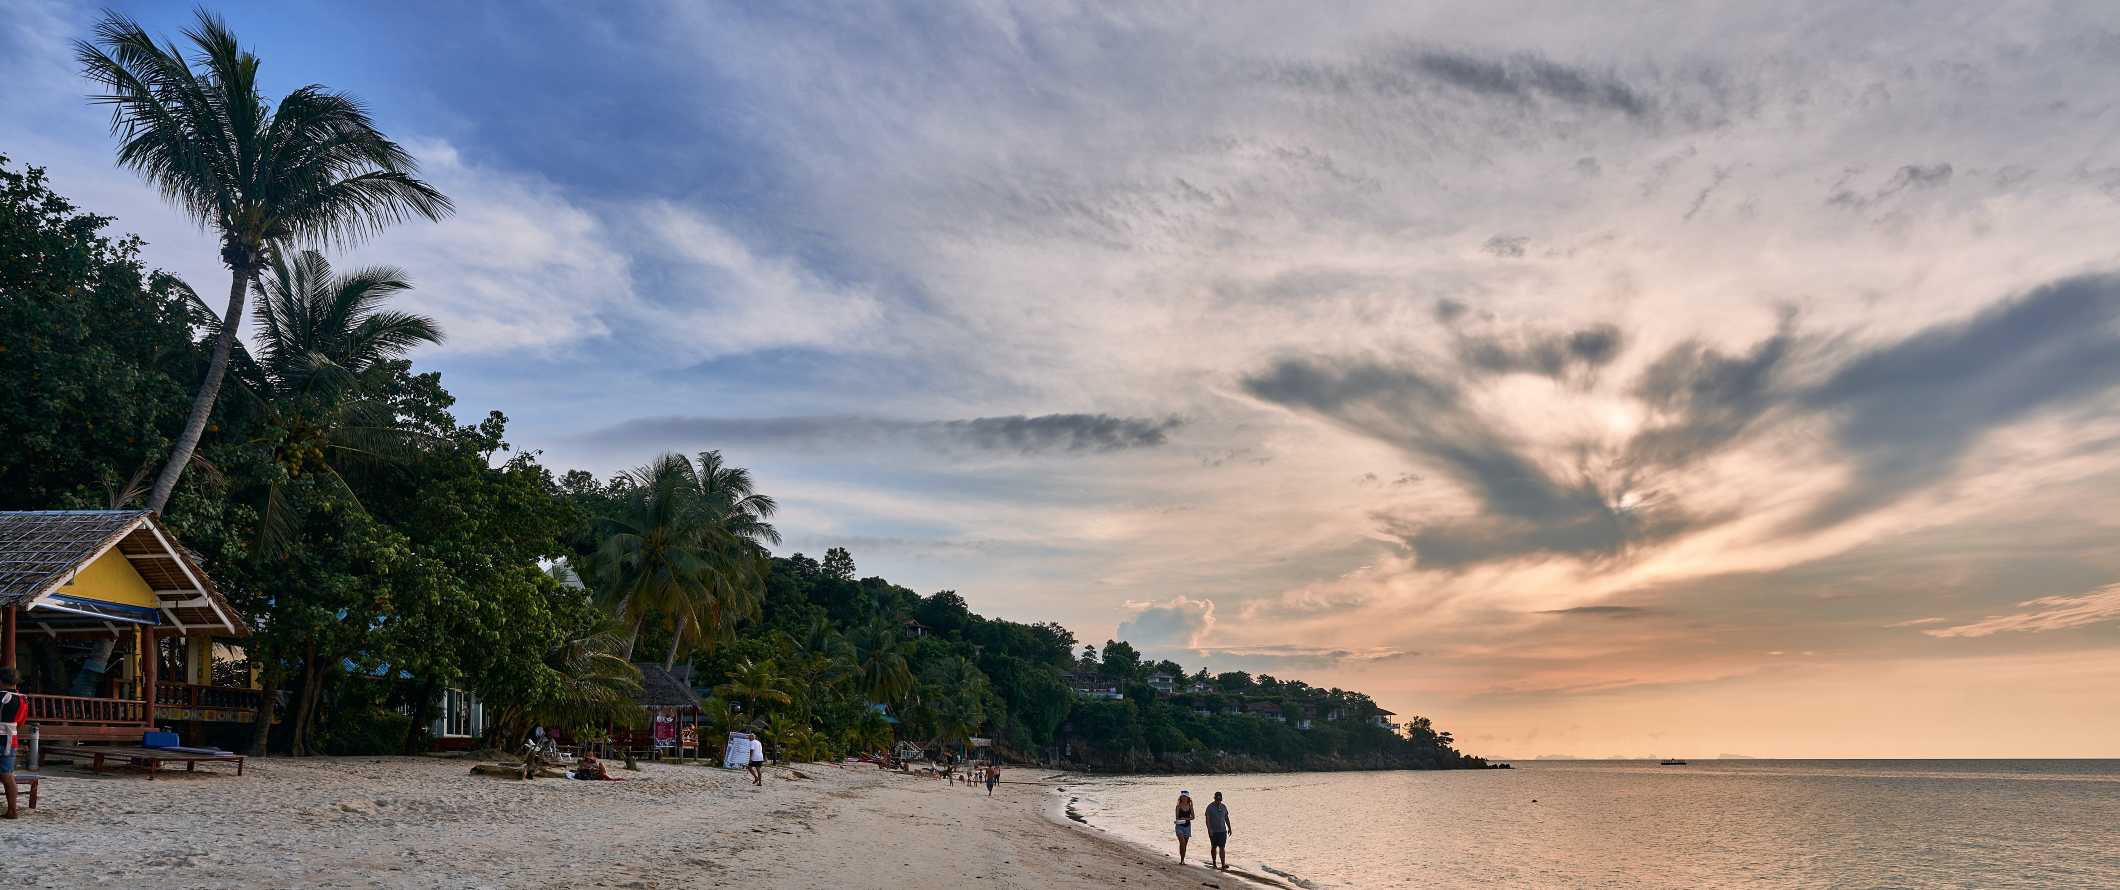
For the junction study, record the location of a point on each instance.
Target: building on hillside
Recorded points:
(1383, 718)
(1091, 686)
(116, 629)
(915, 630)
(1163, 682)
(1270, 710)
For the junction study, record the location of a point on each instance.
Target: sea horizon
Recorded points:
(1779, 823)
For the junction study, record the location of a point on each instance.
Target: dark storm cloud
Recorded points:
(1506, 246)
(1907, 413)
(1411, 71)
(1525, 510)
(1060, 432)
(1043, 434)
(1552, 354)
(1526, 77)
(1911, 176)
(1701, 400)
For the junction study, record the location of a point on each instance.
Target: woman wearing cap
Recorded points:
(1185, 817)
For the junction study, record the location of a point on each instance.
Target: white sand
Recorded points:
(403, 823)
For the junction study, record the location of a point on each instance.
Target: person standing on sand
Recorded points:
(14, 708)
(1185, 817)
(758, 760)
(993, 777)
(1218, 834)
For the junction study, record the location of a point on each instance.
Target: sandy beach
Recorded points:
(419, 822)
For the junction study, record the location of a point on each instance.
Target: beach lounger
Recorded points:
(152, 758)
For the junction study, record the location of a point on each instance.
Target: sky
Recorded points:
(1613, 379)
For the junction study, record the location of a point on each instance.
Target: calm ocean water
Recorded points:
(1630, 824)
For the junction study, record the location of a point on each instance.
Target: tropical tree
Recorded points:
(735, 532)
(754, 683)
(322, 372)
(312, 169)
(591, 684)
(652, 554)
(886, 676)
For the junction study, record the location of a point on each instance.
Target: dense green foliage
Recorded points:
(384, 552)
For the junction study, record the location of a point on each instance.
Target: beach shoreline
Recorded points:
(412, 823)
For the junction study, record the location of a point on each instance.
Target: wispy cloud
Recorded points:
(2047, 613)
(1019, 434)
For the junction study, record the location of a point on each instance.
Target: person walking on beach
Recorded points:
(758, 760)
(14, 708)
(1218, 834)
(1185, 818)
(993, 777)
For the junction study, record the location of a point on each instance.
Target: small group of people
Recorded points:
(1217, 830)
(975, 773)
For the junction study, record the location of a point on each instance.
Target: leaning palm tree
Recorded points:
(313, 169)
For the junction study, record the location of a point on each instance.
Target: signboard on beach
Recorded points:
(736, 754)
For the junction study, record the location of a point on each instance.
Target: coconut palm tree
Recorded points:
(735, 532)
(312, 169)
(886, 676)
(754, 683)
(322, 338)
(654, 556)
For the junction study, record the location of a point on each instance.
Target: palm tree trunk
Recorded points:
(677, 639)
(209, 390)
(634, 638)
(261, 730)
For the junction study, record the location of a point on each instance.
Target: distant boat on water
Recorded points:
(1671, 763)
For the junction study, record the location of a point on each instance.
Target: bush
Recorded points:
(374, 731)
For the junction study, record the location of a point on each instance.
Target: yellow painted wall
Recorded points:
(111, 579)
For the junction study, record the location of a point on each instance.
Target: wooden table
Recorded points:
(153, 758)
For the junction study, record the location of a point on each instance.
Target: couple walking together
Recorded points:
(1217, 830)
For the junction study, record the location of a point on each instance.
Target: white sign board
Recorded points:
(737, 753)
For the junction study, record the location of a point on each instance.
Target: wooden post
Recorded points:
(150, 661)
(7, 637)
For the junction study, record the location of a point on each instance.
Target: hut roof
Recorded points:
(41, 550)
(661, 689)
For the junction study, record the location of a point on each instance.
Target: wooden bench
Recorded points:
(152, 758)
(61, 733)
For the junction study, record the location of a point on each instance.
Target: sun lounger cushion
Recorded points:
(160, 740)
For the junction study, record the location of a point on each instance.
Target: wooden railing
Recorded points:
(74, 709)
(193, 695)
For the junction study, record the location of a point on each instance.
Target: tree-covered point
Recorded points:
(385, 552)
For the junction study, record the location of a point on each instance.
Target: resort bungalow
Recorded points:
(1269, 710)
(1093, 687)
(116, 629)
